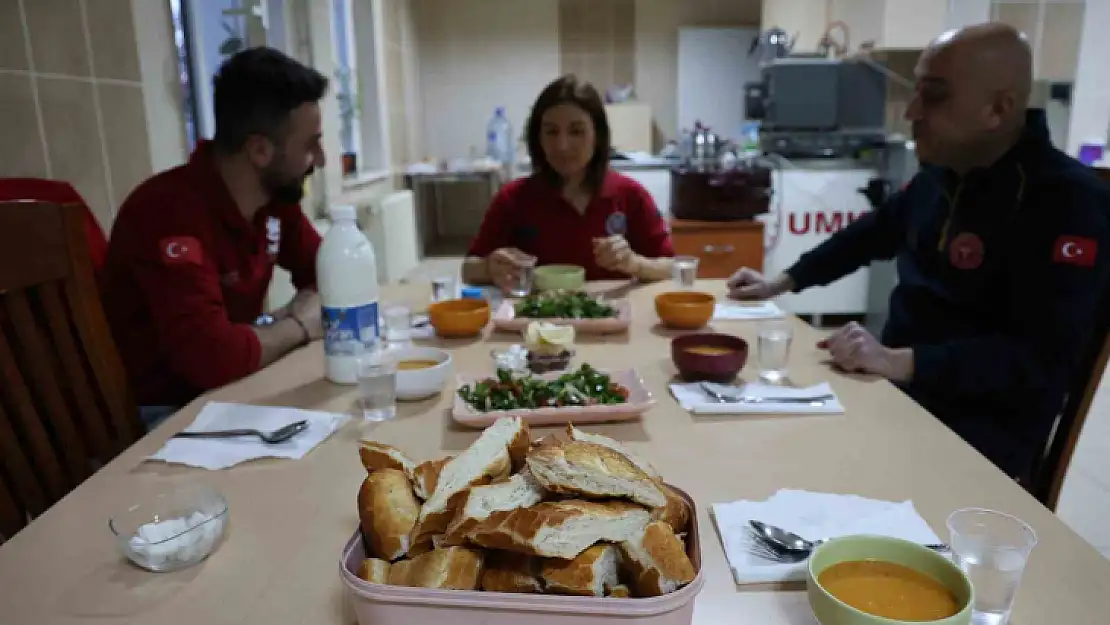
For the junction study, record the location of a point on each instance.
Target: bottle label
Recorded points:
(349, 331)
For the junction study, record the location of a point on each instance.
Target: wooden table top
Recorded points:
(290, 519)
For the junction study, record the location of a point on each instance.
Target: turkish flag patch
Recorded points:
(1078, 251)
(181, 251)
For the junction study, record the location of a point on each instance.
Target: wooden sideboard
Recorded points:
(722, 247)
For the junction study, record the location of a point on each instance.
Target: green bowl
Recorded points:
(566, 277)
(831, 611)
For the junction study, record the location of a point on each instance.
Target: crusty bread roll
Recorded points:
(599, 439)
(560, 529)
(455, 568)
(675, 513)
(387, 511)
(506, 571)
(374, 571)
(501, 447)
(656, 561)
(426, 475)
(620, 591)
(520, 491)
(592, 470)
(594, 571)
(375, 455)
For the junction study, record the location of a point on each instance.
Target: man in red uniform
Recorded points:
(193, 249)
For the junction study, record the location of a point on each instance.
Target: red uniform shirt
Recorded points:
(187, 275)
(530, 214)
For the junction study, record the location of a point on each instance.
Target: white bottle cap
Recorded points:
(342, 212)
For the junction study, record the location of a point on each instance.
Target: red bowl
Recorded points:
(696, 367)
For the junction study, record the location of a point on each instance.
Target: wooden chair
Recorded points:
(65, 408)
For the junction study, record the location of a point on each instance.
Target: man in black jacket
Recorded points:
(1003, 250)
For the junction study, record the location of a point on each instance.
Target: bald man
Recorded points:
(1003, 249)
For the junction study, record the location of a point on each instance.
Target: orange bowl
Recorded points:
(685, 310)
(458, 318)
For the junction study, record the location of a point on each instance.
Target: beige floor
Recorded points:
(1085, 501)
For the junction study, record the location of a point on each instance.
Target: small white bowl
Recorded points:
(414, 384)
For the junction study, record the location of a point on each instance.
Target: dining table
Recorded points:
(289, 519)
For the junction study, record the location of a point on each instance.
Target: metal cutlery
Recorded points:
(279, 435)
(721, 398)
(778, 545)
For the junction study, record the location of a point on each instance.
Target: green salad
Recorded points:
(585, 387)
(564, 305)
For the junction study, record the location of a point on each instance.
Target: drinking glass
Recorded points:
(377, 385)
(773, 351)
(523, 285)
(992, 549)
(397, 319)
(443, 288)
(685, 271)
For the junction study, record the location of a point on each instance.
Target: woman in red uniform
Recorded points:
(573, 209)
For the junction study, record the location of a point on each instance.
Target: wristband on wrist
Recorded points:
(304, 329)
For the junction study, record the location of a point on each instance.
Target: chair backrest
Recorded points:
(65, 408)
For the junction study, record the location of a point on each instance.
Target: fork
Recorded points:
(721, 398)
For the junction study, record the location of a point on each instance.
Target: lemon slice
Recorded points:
(563, 336)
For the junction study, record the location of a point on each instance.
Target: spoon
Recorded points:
(721, 398)
(791, 543)
(279, 435)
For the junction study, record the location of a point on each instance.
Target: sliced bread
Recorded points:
(590, 574)
(656, 561)
(560, 529)
(455, 568)
(506, 571)
(599, 439)
(520, 491)
(374, 570)
(501, 447)
(675, 513)
(375, 455)
(620, 591)
(426, 475)
(592, 470)
(387, 511)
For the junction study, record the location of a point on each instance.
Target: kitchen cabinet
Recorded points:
(721, 247)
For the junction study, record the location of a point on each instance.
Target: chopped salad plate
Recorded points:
(506, 319)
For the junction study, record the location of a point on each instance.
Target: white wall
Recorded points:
(1090, 110)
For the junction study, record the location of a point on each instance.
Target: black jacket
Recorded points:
(1000, 273)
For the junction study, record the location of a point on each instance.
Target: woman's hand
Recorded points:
(614, 253)
(504, 266)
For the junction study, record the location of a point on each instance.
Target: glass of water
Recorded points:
(685, 271)
(992, 549)
(397, 324)
(526, 274)
(773, 350)
(377, 385)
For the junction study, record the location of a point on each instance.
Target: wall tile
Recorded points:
(73, 141)
(22, 153)
(13, 50)
(126, 135)
(57, 37)
(112, 31)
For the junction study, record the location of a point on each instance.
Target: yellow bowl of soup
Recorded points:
(876, 580)
(421, 371)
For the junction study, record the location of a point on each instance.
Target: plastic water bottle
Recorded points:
(499, 138)
(347, 276)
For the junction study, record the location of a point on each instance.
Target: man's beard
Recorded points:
(282, 189)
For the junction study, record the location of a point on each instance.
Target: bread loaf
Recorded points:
(374, 571)
(501, 447)
(375, 455)
(455, 568)
(675, 513)
(560, 529)
(592, 470)
(590, 574)
(387, 512)
(520, 491)
(620, 591)
(511, 572)
(656, 561)
(426, 475)
(599, 439)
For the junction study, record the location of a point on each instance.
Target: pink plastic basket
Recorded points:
(378, 604)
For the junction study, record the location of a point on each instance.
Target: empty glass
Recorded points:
(377, 385)
(527, 272)
(685, 270)
(773, 351)
(443, 288)
(397, 322)
(992, 549)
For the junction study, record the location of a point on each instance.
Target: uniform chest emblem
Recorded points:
(616, 223)
(966, 251)
(273, 236)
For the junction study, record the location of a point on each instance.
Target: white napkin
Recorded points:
(693, 398)
(811, 516)
(741, 311)
(221, 453)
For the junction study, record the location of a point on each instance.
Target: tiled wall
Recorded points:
(72, 97)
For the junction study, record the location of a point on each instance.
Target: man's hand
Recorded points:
(305, 308)
(854, 349)
(615, 254)
(748, 284)
(504, 266)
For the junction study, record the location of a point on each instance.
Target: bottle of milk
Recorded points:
(347, 276)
